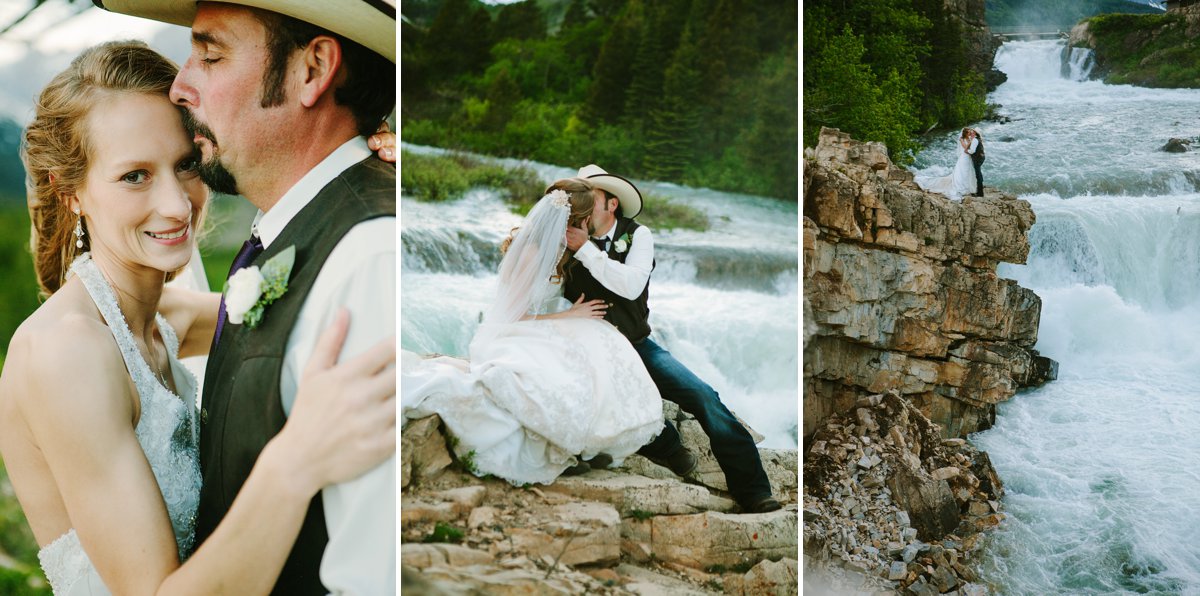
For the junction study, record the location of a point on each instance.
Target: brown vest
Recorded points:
(242, 405)
(631, 317)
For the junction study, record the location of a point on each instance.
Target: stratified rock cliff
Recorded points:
(910, 341)
(902, 289)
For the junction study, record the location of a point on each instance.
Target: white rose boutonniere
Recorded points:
(622, 244)
(250, 290)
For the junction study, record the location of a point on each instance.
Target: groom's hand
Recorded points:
(576, 238)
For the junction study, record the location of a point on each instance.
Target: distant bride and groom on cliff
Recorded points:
(563, 376)
(967, 177)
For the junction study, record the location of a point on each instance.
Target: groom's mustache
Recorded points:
(195, 127)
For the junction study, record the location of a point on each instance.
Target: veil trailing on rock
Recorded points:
(531, 259)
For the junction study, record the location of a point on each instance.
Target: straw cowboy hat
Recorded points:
(371, 23)
(627, 194)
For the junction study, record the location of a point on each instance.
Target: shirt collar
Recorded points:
(269, 225)
(609, 233)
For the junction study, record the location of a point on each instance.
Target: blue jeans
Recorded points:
(731, 443)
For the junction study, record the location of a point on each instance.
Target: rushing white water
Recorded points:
(1103, 488)
(722, 301)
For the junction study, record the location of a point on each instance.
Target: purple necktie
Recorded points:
(250, 249)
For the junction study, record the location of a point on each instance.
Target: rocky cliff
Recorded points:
(635, 529)
(910, 341)
(1147, 50)
(902, 292)
(980, 45)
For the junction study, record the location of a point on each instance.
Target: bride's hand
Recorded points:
(383, 142)
(343, 422)
(592, 309)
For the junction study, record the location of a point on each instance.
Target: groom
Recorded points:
(279, 98)
(616, 266)
(975, 150)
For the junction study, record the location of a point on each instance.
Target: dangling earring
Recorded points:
(78, 230)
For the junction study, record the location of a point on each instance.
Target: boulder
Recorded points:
(422, 450)
(767, 578)
(1177, 145)
(930, 503)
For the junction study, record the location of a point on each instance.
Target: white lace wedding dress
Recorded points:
(960, 182)
(536, 392)
(168, 431)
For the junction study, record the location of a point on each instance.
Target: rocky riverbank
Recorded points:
(910, 341)
(635, 529)
(1145, 50)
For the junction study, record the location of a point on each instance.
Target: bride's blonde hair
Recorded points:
(56, 147)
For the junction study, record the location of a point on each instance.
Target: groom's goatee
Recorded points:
(212, 172)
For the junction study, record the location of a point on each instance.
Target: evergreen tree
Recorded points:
(671, 135)
(770, 145)
(576, 15)
(658, 38)
(520, 20)
(614, 68)
(503, 95)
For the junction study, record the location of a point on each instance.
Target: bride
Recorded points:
(961, 181)
(548, 383)
(98, 419)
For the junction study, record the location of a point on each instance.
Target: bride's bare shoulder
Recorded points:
(64, 346)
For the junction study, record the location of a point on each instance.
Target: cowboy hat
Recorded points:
(627, 194)
(371, 23)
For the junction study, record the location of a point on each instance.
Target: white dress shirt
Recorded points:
(973, 146)
(360, 275)
(627, 279)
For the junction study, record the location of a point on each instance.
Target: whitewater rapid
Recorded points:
(1100, 466)
(722, 301)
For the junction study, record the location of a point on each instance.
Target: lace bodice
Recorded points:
(168, 431)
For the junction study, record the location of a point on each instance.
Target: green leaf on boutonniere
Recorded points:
(275, 274)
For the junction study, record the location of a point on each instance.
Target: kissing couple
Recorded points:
(562, 374)
(281, 479)
(967, 176)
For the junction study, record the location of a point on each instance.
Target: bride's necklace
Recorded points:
(157, 370)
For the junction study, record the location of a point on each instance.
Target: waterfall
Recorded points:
(1102, 494)
(1078, 63)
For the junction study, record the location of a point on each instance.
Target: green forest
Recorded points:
(886, 70)
(697, 92)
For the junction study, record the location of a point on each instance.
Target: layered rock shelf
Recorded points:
(910, 341)
(901, 292)
(634, 529)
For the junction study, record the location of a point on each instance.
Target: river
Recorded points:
(1100, 466)
(723, 301)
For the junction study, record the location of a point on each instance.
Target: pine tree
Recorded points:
(520, 20)
(614, 68)
(671, 135)
(576, 15)
(503, 94)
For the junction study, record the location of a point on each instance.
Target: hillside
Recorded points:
(1059, 13)
(700, 93)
